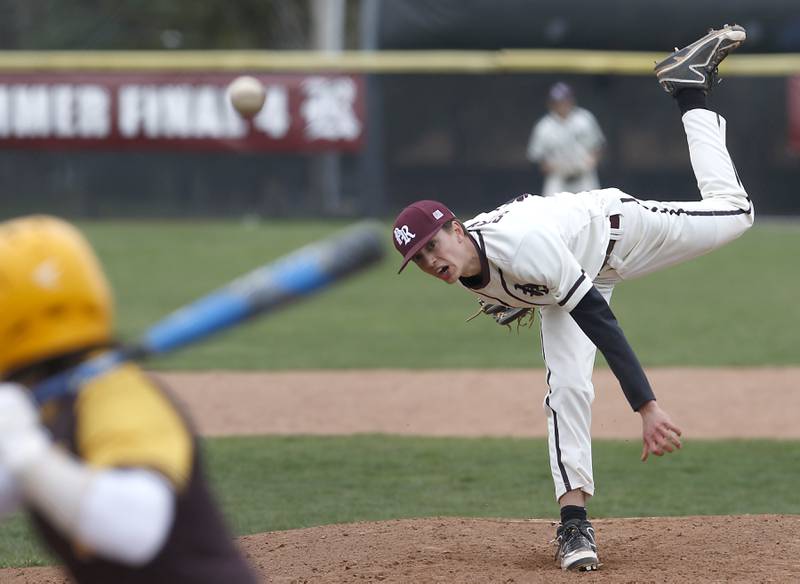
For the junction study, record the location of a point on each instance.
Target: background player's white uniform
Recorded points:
(568, 146)
(549, 252)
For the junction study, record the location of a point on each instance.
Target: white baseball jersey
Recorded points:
(550, 252)
(568, 146)
(543, 250)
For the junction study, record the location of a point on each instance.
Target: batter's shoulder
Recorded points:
(124, 419)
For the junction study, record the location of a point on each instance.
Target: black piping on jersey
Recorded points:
(709, 213)
(505, 287)
(481, 281)
(577, 283)
(474, 283)
(562, 469)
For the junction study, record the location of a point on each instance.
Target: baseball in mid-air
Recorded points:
(247, 95)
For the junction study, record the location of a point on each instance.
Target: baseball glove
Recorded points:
(505, 315)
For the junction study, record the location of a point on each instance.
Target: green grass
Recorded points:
(276, 483)
(736, 306)
(303, 481)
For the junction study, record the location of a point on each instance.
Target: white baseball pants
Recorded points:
(652, 235)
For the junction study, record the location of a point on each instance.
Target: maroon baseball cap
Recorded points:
(416, 224)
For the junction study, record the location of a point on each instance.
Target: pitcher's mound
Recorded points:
(752, 548)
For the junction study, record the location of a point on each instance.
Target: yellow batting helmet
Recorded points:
(54, 297)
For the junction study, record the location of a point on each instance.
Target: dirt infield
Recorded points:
(475, 403)
(757, 548)
(705, 403)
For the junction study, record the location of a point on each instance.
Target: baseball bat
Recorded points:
(264, 290)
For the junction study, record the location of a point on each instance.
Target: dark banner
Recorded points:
(615, 25)
(463, 142)
(183, 111)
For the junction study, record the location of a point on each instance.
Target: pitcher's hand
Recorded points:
(659, 434)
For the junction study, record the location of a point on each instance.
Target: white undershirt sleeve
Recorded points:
(126, 515)
(123, 515)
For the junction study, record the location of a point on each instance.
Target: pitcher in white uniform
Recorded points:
(564, 254)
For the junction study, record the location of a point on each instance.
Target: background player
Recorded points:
(566, 143)
(564, 254)
(112, 477)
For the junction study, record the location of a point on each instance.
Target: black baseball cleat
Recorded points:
(696, 65)
(577, 549)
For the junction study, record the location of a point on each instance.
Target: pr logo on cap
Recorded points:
(403, 235)
(416, 225)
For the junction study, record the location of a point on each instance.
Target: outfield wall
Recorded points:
(452, 126)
